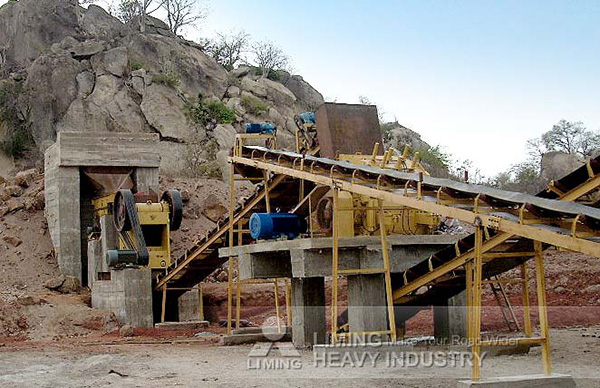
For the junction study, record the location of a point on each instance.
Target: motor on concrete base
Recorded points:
(264, 226)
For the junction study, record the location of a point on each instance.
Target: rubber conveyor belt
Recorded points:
(492, 196)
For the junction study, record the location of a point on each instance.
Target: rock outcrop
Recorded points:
(83, 70)
(397, 136)
(557, 164)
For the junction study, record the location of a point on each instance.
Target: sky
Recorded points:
(478, 78)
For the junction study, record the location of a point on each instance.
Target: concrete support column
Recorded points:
(63, 204)
(450, 319)
(189, 306)
(109, 238)
(94, 256)
(367, 303)
(308, 311)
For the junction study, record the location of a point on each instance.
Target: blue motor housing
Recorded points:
(262, 128)
(266, 226)
(308, 117)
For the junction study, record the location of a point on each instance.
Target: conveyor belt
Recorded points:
(489, 195)
(575, 186)
(202, 258)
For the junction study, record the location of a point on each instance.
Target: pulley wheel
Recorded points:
(325, 214)
(120, 211)
(173, 199)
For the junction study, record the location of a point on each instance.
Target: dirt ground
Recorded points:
(204, 364)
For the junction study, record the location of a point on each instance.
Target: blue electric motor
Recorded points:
(266, 226)
(307, 117)
(262, 128)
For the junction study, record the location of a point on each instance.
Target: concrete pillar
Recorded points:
(128, 294)
(450, 319)
(189, 306)
(146, 180)
(367, 309)
(63, 213)
(308, 311)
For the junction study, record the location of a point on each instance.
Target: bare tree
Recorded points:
(128, 11)
(228, 49)
(571, 138)
(181, 13)
(269, 57)
(138, 10)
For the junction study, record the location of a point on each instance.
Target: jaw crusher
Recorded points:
(144, 224)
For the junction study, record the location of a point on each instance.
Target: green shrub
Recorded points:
(254, 105)
(435, 157)
(136, 66)
(218, 111)
(170, 79)
(16, 134)
(205, 112)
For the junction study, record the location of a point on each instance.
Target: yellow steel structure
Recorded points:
(377, 196)
(491, 231)
(270, 142)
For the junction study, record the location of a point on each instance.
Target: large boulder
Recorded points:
(51, 87)
(307, 97)
(165, 112)
(98, 23)
(110, 107)
(198, 72)
(397, 136)
(28, 28)
(114, 61)
(277, 93)
(557, 164)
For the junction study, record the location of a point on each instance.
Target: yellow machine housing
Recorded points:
(154, 220)
(359, 217)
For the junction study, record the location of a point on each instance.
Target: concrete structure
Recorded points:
(188, 325)
(532, 381)
(308, 262)
(69, 191)
(450, 319)
(78, 168)
(190, 308)
(128, 294)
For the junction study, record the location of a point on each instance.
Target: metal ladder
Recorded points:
(504, 304)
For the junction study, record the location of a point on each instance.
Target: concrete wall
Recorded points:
(128, 294)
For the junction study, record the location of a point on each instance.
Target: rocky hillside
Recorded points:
(75, 69)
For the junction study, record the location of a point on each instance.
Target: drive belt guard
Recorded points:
(128, 225)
